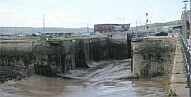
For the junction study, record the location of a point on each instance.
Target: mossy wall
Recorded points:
(153, 57)
(55, 57)
(15, 64)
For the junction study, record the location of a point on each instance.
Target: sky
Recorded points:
(80, 13)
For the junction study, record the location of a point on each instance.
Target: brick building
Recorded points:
(105, 28)
(116, 31)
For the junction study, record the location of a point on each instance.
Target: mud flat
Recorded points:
(99, 80)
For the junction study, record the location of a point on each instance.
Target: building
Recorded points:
(105, 28)
(115, 31)
(185, 31)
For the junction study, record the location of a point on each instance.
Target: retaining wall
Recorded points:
(153, 57)
(20, 59)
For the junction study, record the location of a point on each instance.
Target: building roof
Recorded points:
(110, 24)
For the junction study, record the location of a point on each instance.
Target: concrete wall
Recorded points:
(80, 52)
(153, 57)
(16, 45)
(52, 57)
(15, 64)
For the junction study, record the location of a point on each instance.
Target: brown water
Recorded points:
(98, 81)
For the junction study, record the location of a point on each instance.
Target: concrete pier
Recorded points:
(153, 56)
(162, 55)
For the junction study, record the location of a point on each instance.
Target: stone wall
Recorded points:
(153, 57)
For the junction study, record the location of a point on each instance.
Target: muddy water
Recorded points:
(101, 80)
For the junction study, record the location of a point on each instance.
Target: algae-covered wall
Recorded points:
(15, 60)
(153, 57)
(20, 59)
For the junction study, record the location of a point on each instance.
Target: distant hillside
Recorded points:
(30, 30)
(158, 26)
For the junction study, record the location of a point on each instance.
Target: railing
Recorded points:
(187, 61)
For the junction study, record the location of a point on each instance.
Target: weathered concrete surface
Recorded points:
(178, 80)
(15, 64)
(15, 59)
(153, 56)
(59, 56)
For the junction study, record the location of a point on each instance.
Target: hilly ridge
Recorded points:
(30, 30)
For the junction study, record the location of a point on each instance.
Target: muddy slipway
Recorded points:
(102, 79)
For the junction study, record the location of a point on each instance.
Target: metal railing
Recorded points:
(187, 60)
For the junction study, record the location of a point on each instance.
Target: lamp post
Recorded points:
(185, 3)
(44, 30)
(184, 21)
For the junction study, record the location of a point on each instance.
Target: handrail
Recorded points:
(187, 58)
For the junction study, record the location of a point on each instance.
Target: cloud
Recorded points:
(19, 16)
(5, 8)
(63, 18)
(60, 14)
